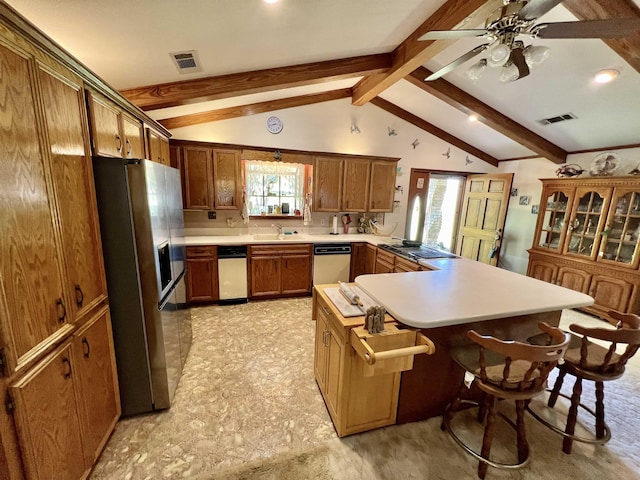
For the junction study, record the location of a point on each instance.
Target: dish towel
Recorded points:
(306, 216)
(245, 210)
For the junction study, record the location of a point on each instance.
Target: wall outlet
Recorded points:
(211, 215)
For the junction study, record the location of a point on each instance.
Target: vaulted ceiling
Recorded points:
(257, 57)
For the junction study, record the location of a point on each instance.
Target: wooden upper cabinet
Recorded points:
(34, 307)
(355, 186)
(133, 138)
(105, 123)
(226, 179)
(197, 167)
(327, 184)
(157, 147)
(381, 189)
(72, 175)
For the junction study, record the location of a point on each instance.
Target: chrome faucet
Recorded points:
(278, 227)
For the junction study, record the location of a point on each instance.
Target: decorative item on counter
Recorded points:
(374, 321)
(334, 225)
(346, 220)
(363, 225)
(297, 212)
(285, 208)
(569, 170)
(604, 164)
(277, 210)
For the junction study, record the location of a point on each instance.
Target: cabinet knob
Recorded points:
(79, 295)
(128, 147)
(67, 364)
(119, 143)
(62, 309)
(86, 348)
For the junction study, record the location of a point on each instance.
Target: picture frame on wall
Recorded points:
(534, 209)
(524, 200)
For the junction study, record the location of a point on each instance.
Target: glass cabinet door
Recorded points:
(587, 222)
(620, 237)
(552, 220)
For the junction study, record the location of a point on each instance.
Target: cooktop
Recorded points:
(421, 252)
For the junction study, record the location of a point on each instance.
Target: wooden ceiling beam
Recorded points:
(628, 47)
(411, 53)
(253, 109)
(468, 104)
(153, 97)
(433, 130)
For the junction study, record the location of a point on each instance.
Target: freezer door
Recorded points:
(176, 220)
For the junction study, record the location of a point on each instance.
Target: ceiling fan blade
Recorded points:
(452, 34)
(608, 28)
(517, 57)
(536, 8)
(456, 63)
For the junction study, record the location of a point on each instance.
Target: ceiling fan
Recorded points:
(516, 18)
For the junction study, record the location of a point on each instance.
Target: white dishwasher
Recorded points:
(232, 273)
(331, 263)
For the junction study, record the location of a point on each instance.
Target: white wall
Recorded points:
(326, 127)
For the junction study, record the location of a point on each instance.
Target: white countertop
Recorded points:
(198, 240)
(463, 291)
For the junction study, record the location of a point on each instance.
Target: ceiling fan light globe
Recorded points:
(476, 70)
(535, 55)
(498, 55)
(509, 73)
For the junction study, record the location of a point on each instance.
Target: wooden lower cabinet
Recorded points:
(202, 274)
(611, 293)
(65, 408)
(385, 261)
(404, 265)
(279, 270)
(363, 259)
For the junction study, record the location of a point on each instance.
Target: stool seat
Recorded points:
(509, 370)
(588, 360)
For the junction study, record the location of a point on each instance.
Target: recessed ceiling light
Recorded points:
(270, 1)
(606, 76)
(473, 117)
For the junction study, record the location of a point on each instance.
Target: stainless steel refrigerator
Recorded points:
(142, 227)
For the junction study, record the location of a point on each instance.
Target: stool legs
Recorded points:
(487, 439)
(553, 398)
(600, 425)
(523, 445)
(572, 417)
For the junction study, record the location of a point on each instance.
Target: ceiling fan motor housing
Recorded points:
(506, 18)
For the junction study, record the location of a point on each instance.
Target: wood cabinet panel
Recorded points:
(385, 261)
(158, 148)
(133, 138)
(46, 419)
(105, 123)
(327, 184)
(73, 180)
(97, 384)
(280, 270)
(355, 186)
(363, 260)
(202, 279)
(320, 351)
(265, 276)
(226, 179)
(573, 278)
(197, 164)
(296, 274)
(30, 265)
(404, 265)
(610, 293)
(545, 270)
(383, 176)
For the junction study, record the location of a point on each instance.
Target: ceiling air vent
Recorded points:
(186, 62)
(558, 118)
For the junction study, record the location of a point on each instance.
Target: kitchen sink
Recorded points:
(275, 237)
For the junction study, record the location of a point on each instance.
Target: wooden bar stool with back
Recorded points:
(509, 370)
(588, 360)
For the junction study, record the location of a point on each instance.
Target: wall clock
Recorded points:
(274, 124)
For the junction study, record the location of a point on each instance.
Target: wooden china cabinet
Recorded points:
(586, 239)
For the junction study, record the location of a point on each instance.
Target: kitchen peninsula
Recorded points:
(441, 304)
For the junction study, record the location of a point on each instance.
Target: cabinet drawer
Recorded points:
(204, 251)
(404, 265)
(286, 249)
(385, 257)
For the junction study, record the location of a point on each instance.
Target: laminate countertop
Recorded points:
(460, 291)
(199, 240)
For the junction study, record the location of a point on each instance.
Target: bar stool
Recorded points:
(506, 370)
(590, 361)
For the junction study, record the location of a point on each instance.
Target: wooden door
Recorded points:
(105, 132)
(327, 184)
(610, 293)
(296, 274)
(483, 215)
(133, 138)
(202, 279)
(66, 126)
(226, 179)
(382, 186)
(355, 185)
(47, 421)
(265, 272)
(33, 308)
(573, 278)
(97, 383)
(198, 178)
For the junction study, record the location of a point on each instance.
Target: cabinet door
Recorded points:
(65, 121)
(573, 278)
(47, 421)
(265, 276)
(334, 371)
(165, 149)
(97, 384)
(202, 279)
(542, 269)
(198, 178)
(385, 261)
(105, 131)
(587, 221)
(382, 186)
(404, 265)
(296, 274)
(133, 139)
(358, 259)
(226, 179)
(327, 184)
(621, 236)
(30, 268)
(610, 293)
(552, 222)
(355, 186)
(320, 357)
